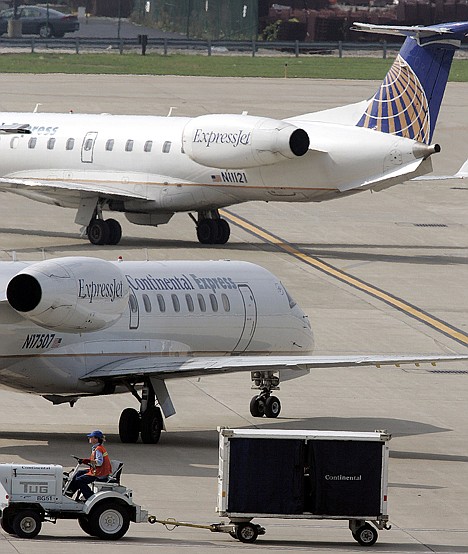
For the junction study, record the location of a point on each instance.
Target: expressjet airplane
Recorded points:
(77, 326)
(151, 167)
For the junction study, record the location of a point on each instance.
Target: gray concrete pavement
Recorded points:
(371, 236)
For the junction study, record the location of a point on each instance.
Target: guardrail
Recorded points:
(211, 47)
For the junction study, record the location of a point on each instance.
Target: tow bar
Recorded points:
(243, 531)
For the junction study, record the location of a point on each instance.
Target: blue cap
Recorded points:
(98, 434)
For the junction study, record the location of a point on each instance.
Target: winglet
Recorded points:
(462, 173)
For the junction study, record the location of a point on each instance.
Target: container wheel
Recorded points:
(366, 535)
(246, 532)
(27, 524)
(109, 520)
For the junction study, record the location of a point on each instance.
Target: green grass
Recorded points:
(214, 66)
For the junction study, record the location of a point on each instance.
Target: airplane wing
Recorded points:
(58, 190)
(176, 367)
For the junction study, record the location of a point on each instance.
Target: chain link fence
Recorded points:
(202, 19)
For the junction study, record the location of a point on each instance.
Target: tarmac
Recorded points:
(409, 242)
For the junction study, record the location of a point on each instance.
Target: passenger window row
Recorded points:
(88, 145)
(191, 303)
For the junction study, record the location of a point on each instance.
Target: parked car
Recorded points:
(40, 21)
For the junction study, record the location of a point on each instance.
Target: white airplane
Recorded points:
(151, 167)
(77, 326)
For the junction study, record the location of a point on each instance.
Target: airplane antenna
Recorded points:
(170, 110)
(245, 112)
(43, 254)
(13, 256)
(36, 109)
(146, 253)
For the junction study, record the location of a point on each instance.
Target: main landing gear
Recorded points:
(211, 228)
(265, 404)
(148, 422)
(104, 232)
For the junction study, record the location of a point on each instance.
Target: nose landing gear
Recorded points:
(265, 404)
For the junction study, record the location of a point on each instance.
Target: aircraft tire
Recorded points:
(207, 231)
(224, 231)
(257, 406)
(151, 425)
(129, 425)
(115, 231)
(98, 232)
(272, 407)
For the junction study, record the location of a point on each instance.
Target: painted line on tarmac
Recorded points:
(393, 301)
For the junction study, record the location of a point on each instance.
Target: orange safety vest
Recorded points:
(105, 469)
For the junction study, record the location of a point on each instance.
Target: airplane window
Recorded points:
(51, 144)
(148, 145)
(70, 144)
(162, 304)
(110, 145)
(32, 142)
(226, 304)
(88, 145)
(214, 302)
(147, 303)
(167, 147)
(175, 302)
(189, 301)
(129, 145)
(201, 302)
(14, 142)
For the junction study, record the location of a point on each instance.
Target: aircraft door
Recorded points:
(134, 310)
(250, 318)
(87, 148)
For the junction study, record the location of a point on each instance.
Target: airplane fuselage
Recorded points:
(141, 310)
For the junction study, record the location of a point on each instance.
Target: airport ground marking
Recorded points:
(409, 309)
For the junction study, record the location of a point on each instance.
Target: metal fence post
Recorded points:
(165, 46)
(121, 46)
(32, 46)
(253, 48)
(384, 50)
(209, 47)
(340, 49)
(77, 45)
(297, 48)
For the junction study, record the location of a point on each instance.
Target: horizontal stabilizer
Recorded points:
(462, 173)
(418, 32)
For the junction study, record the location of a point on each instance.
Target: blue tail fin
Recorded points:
(408, 101)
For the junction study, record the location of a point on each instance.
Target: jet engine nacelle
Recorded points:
(70, 294)
(241, 141)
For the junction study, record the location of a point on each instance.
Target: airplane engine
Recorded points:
(241, 141)
(70, 294)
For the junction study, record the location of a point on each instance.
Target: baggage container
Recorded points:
(303, 475)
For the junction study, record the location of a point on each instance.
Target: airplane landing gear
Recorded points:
(211, 228)
(104, 232)
(148, 422)
(265, 404)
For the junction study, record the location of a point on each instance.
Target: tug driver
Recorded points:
(99, 466)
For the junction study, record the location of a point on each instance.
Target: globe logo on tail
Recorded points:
(400, 107)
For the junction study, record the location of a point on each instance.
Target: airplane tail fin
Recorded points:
(408, 100)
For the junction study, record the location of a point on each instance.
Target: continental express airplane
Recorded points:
(150, 167)
(78, 326)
